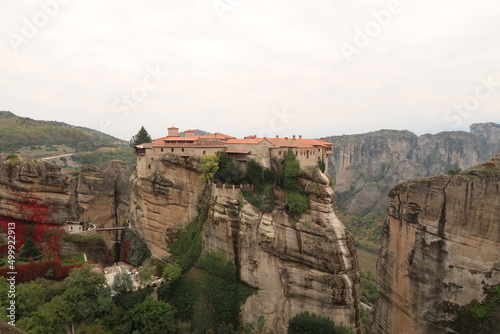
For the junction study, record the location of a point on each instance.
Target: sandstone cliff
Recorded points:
(39, 192)
(308, 264)
(365, 167)
(440, 252)
(168, 196)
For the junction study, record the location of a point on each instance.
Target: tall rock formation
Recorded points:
(161, 200)
(365, 167)
(37, 191)
(306, 264)
(440, 254)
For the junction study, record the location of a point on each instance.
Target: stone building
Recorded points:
(262, 150)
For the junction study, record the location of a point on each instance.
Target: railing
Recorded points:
(233, 186)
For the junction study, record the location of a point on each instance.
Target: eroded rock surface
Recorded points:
(368, 166)
(440, 251)
(297, 265)
(37, 191)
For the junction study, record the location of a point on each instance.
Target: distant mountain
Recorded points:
(197, 132)
(21, 134)
(366, 166)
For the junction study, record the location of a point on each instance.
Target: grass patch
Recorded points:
(70, 260)
(82, 239)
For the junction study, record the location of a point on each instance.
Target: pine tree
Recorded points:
(140, 138)
(29, 251)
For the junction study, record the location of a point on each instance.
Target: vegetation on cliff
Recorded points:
(204, 289)
(307, 323)
(480, 317)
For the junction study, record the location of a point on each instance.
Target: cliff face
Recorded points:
(365, 167)
(39, 192)
(308, 264)
(164, 199)
(440, 251)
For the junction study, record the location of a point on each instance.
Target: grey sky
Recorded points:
(239, 71)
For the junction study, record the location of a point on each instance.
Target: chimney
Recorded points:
(300, 136)
(293, 136)
(286, 138)
(277, 136)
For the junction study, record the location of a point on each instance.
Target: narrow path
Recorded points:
(58, 156)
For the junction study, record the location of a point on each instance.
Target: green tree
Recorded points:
(51, 317)
(29, 297)
(140, 138)
(172, 271)
(254, 174)
(208, 167)
(297, 203)
(152, 317)
(122, 282)
(291, 170)
(322, 165)
(87, 294)
(146, 276)
(29, 251)
(229, 171)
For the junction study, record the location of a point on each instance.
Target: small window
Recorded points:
(204, 152)
(280, 152)
(149, 166)
(172, 149)
(182, 150)
(162, 149)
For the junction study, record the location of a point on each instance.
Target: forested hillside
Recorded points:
(20, 132)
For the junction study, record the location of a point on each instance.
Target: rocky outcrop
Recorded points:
(38, 191)
(305, 264)
(440, 251)
(365, 167)
(164, 199)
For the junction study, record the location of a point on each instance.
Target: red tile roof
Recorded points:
(245, 141)
(299, 143)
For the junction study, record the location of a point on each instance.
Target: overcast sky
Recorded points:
(240, 67)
